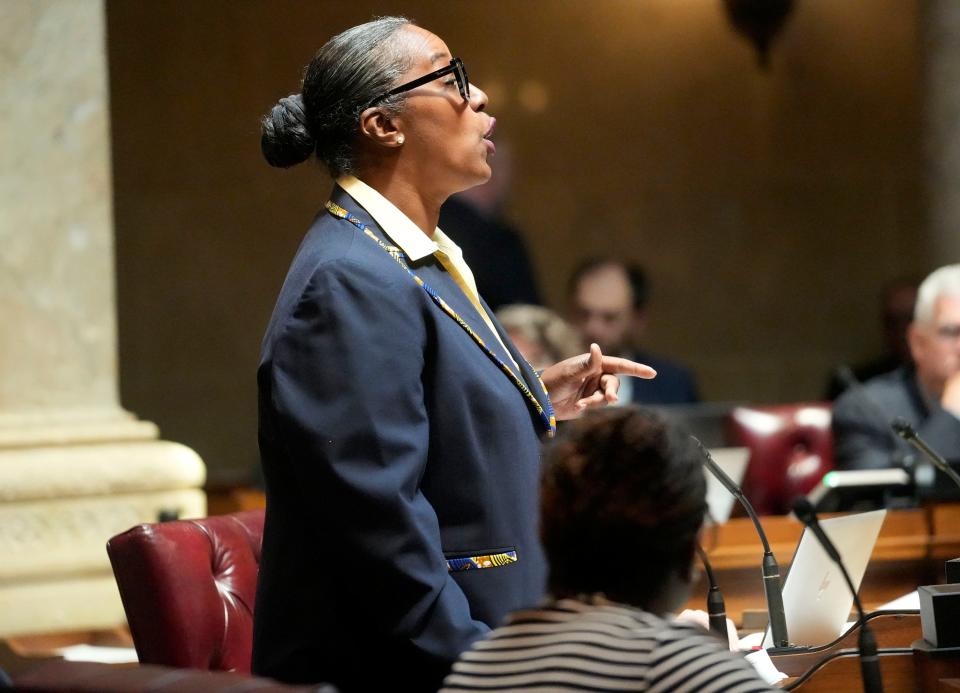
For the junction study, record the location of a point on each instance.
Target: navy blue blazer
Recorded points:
(392, 445)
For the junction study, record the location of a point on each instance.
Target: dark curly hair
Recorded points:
(344, 77)
(623, 498)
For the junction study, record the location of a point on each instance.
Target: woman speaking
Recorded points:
(399, 427)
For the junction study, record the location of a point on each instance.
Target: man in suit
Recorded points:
(927, 396)
(474, 219)
(608, 304)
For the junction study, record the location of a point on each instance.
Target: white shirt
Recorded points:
(416, 244)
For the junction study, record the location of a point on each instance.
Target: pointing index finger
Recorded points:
(614, 364)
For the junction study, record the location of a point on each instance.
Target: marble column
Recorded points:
(75, 467)
(941, 103)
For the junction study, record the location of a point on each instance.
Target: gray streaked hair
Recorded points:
(941, 282)
(351, 70)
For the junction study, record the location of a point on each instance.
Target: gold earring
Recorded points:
(400, 139)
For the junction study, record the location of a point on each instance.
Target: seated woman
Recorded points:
(623, 502)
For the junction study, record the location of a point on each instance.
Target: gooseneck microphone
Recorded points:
(716, 609)
(905, 430)
(771, 569)
(869, 661)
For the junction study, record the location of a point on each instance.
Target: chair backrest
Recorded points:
(188, 589)
(791, 448)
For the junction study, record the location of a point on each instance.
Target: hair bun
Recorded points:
(285, 139)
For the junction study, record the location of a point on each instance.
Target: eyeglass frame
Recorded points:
(456, 67)
(949, 332)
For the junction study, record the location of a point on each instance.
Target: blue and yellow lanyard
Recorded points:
(547, 416)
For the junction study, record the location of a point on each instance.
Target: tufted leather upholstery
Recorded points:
(791, 448)
(188, 589)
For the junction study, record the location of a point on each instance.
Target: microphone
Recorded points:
(771, 569)
(903, 429)
(716, 609)
(869, 661)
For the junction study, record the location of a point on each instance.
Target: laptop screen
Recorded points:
(816, 599)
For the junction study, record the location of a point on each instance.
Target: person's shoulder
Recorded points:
(886, 390)
(686, 657)
(889, 390)
(892, 381)
(335, 265)
(574, 614)
(335, 251)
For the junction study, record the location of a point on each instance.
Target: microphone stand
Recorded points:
(903, 429)
(716, 609)
(869, 661)
(771, 569)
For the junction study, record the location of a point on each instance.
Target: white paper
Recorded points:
(911, 600)
(764, 666)
(92, 653)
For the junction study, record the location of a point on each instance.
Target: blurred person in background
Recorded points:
(608, 303)
(927, 395)
(540, 335)
(474, 219)
(896, 313)
(623, 502)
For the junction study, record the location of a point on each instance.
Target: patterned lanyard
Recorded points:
(547, 416)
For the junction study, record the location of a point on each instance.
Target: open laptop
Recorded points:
(719, 500)
(816, 600)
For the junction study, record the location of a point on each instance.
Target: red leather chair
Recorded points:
(188, 589)
(791, 448)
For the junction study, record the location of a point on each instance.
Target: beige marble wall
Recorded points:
(941, 49)
(57, 349)
(75, 468)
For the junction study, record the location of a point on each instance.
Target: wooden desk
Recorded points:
(945, 525)
(909, 552)
(891, 629)
(902, 669)
(20, 653)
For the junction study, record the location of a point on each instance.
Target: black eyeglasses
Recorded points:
(456, 67)
(949, 332)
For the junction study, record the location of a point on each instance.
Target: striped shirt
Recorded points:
(570, 645)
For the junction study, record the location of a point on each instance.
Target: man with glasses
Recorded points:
(928, 396)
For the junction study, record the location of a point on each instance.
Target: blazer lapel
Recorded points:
(458, 307)
(537, 388)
